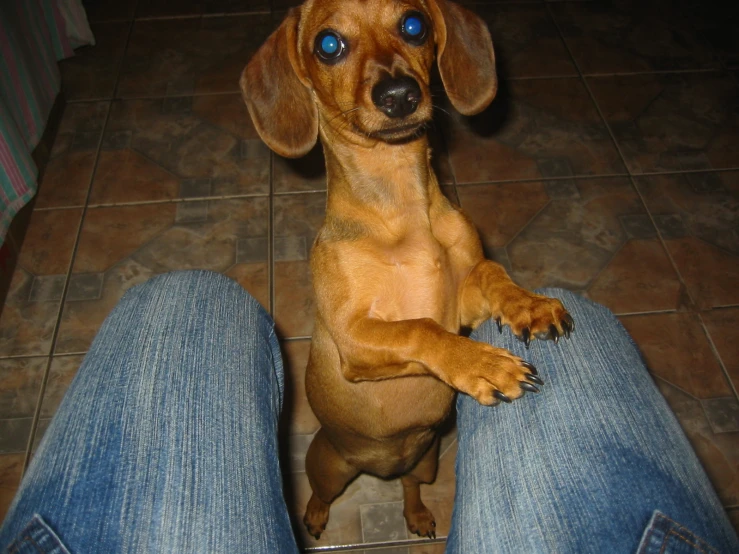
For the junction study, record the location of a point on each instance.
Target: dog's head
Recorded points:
(365, 65)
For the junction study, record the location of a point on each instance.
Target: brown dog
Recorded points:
(398, 271)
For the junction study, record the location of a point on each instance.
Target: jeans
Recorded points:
(167, 442)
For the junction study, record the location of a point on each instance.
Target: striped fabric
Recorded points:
(34, 34)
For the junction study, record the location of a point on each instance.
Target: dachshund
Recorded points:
(398, 271)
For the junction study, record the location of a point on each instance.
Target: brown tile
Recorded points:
(126, 175)
(93, 70)
(174, 8)
(697, 214)
(179, 148)
(67, 176)
(236, 6)
(668, 122)
(11, 470)
(718, 453)
(383, 522)
(676, 349)
(20, 384)
(716, 24)
(296, 217)
(67, 179)
(501, 211)
(106, 10)
(27, 325)
(710, 273)
(701, 205)
(430, 548)
(723, 327)
(32, 304)
(14, 434)
(110, 235)
(254, 277)
(190, 56)
(629, 37)
(527, 43)
(734, 518)
(722, 414)
(169, 8)
(639, 278)
(126, 245)
(579, 231)
(538, 128)
(294, 305)
(300, 174)
(47, 247)
(299, 417)
(62, 371)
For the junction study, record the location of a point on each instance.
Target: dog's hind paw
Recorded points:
(316, 517)
(421, 523)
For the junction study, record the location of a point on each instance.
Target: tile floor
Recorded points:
(608, 164)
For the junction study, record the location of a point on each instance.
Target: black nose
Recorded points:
(396, 97)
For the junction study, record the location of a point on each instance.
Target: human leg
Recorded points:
(167, 438)
(583, 465)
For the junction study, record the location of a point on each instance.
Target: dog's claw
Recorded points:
(532, 369)
(553, 333)
(528, 387)
(534, 379)
(500, 396)
(526, 336)
(568, 325)
(500, 325)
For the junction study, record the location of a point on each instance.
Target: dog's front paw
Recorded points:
(532, 315)
(492, 375)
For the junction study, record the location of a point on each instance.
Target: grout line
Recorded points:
(542, 179)
(716, 69)
(65, 290)
(271, 237)
(154, 96)
(375, 545)
(192, 199)
(623, 160)
(652, 312)
(295, 339)
(717, 354)
(123, 59)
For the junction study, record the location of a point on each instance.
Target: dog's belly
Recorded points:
(386, 410)
(388, 457)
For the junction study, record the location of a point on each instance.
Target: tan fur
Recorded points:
(398, 271)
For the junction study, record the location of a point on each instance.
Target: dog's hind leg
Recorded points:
(418, 517)
(328, 474)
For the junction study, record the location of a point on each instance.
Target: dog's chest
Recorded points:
(415, 280)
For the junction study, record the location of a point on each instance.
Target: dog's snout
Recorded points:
(397, 97)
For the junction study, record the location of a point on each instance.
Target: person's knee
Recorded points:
(207, 289)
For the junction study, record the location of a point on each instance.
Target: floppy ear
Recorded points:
(280, 104)
(465, 56)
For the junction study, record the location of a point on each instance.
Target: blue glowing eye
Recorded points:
(329, 46)
(413, 28)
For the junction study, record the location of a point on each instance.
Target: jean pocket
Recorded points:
(665, 536)
(37, 538)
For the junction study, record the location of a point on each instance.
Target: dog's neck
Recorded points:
(379, 177)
